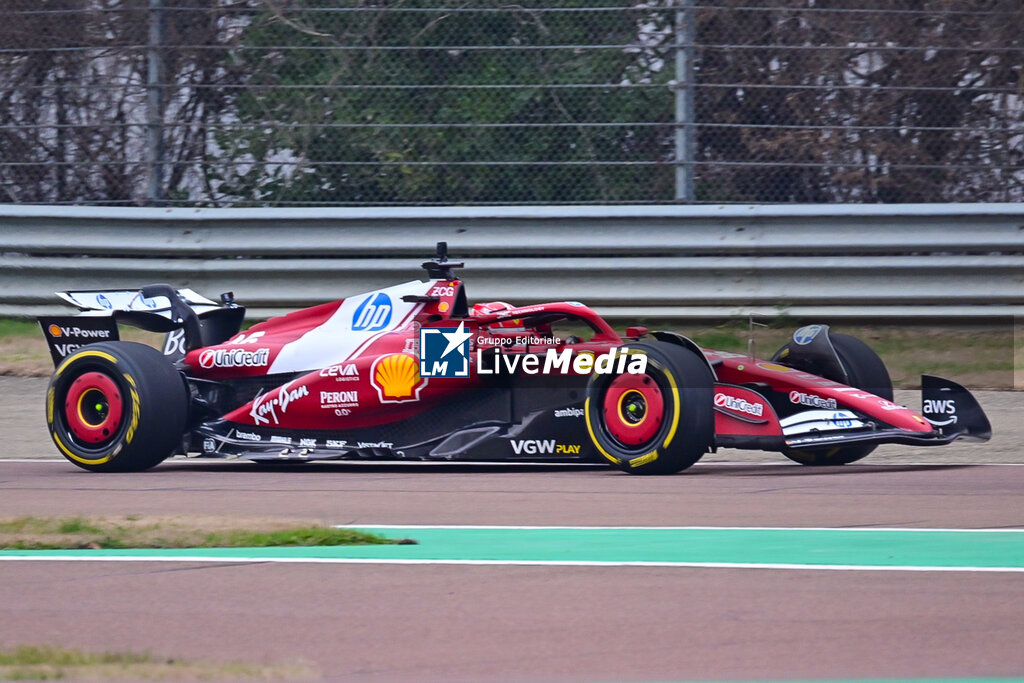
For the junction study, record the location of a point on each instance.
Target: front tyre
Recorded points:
(116, 407)
(658, 422)
(865, 370)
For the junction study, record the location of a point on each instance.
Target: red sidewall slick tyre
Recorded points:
(865, 371)
(116, 407)
(659, 422)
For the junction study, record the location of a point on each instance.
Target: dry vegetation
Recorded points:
(36, 533)
(23, 349)
(44, 663)
(979, 356)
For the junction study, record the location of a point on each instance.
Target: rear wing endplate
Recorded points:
(189, 319)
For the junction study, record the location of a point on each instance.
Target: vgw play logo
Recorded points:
(444, 351)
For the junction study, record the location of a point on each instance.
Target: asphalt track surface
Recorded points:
(558, 621)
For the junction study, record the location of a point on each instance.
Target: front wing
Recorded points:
(952, 411)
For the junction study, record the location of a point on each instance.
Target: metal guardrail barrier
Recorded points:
(865, 261)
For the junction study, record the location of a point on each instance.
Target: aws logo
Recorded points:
(396, 377)
(946, 408)
(940, 407)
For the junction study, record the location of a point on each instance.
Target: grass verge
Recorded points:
(980, 356)
(62, 533)
(44, 663)
(977, 356)
(23, 349)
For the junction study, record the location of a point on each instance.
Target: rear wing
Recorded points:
(189, 320)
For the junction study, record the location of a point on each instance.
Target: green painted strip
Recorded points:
(891, 680)
(814, 547)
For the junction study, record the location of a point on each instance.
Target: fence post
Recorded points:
(154, 105)
(685, 128)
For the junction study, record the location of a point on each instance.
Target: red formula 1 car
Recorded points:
(410, 372)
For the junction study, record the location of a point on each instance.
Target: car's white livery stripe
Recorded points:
(402, 323)
(809, 421)
(335, 340)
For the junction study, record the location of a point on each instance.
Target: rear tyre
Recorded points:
(658, 422)
(116, 407)
(866, 371)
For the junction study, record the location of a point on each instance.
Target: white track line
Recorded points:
(520, 563)
(662, 528)
(35, 460)
(449, 463)
(403, 463)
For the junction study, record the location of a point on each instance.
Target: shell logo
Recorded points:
(396, 377)
(774, 367)
(54, 331)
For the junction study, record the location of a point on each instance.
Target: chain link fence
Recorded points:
(420, 102)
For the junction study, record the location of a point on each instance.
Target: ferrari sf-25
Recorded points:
(412, 372)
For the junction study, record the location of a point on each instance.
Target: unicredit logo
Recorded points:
(234, 358)
(800, 398)
(734, 403)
